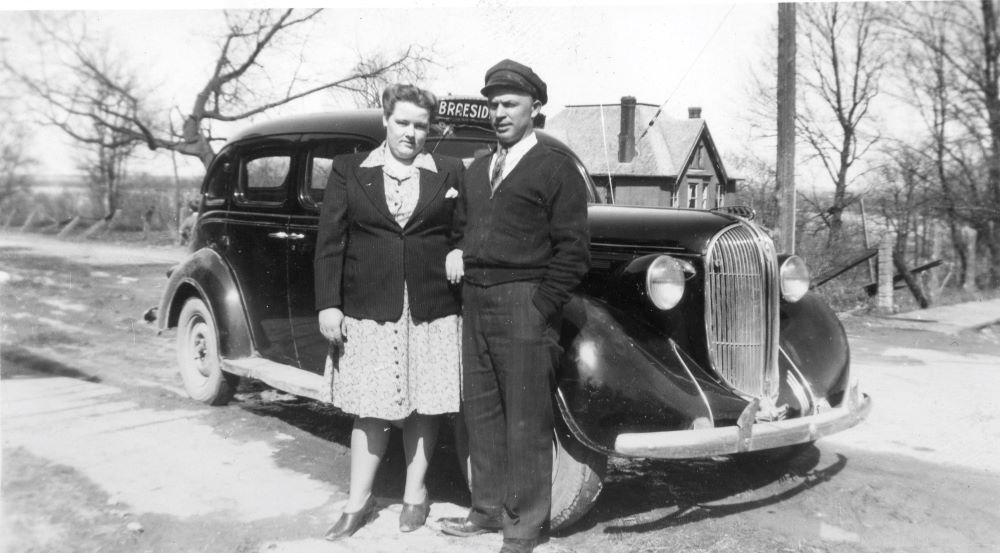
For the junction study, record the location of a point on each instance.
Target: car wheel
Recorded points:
(577, 477)
(198, 356)
(577, 473)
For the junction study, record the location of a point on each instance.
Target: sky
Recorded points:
(675, 54)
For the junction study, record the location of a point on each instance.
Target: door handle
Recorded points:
(296, 236)
(280, 234)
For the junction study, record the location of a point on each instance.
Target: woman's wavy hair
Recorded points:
(408, 93)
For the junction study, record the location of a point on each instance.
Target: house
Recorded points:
(639, 158)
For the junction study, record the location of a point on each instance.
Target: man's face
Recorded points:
(511, 112)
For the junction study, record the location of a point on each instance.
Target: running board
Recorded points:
(283, 377)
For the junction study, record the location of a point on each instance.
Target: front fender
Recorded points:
(206, 275)
(619, 375)
(814, 343)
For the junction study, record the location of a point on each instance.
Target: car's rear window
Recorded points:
(265, 177)
(320, 161)
(267, 172)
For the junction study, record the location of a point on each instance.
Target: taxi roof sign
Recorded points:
(472, 110)
(464, 110)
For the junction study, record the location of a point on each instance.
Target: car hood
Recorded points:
(652, 229)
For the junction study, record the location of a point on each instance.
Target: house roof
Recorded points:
(664, 151)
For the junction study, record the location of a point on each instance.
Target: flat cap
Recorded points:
(511, 74)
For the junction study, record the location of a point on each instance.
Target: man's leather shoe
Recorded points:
(463, 527)
(349, 523)
(518, 545)
(413, 516)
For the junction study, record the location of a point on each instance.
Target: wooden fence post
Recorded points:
(911, 282)
(934, 280)
(885, 272)
(69, 228)
(30, 219)
(971, 235)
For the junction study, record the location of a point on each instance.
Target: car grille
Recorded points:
(741, 310)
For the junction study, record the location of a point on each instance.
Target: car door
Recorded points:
(317, 153)
(257, 250)
(210, 228)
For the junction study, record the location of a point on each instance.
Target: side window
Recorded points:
(217, 184)
(320, 162)
(265, 177)
(319, 174)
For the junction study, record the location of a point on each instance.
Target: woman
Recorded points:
(384, 301)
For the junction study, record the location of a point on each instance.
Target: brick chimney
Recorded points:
(626, 138)
(694, 112)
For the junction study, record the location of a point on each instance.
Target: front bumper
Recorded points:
(747, 435)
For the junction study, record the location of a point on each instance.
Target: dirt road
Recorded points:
(102, 451)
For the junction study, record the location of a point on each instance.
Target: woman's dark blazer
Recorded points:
(363, 256)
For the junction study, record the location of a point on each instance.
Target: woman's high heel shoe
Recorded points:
(413, 516)
(349, 523)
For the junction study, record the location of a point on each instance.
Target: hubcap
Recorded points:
(199, 349)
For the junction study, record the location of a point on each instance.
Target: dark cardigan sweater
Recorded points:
(533, 228)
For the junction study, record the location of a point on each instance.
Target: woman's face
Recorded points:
(406, 130)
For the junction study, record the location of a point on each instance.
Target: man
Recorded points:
(521, 221)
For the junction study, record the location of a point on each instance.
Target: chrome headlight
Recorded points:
(794, 279)
(665, 278)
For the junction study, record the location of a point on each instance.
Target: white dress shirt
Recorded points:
(515, 153)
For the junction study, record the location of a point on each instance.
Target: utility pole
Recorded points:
(785, 170)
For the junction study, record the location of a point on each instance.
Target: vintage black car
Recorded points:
(690, 336)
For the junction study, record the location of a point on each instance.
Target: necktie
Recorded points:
(497, 175)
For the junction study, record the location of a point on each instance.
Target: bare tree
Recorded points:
(758, 186)
(844, 59)
(905, 195)
(105, 164)
(841, 59)
(83, 89)
(238, 86)
(952, 80)
(14, 158)
(14, 137)
(926, 84)
(367, 92)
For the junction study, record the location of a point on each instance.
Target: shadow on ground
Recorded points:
(444, 480)
(639, 496)
(20, 362)
(646, 495)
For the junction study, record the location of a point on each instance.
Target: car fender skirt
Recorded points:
(206, 275)
(752, 436)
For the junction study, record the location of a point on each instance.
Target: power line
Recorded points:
(684, 76)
